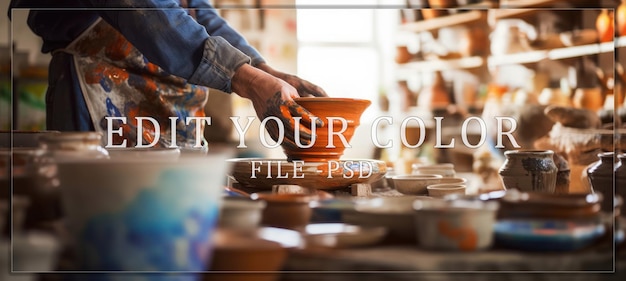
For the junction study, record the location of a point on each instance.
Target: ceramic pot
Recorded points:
(402, 54)
(529, 170)
(457, 225)
(292, 211)
(149, 206)
(245, 256)
(333, 111)
(240, 213)
(588, 98)
(442, 3)
(600, 175)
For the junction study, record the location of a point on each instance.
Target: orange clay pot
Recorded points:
(620, 14)
(348, 109)
(605, 26)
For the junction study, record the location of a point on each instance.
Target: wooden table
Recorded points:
(407, 262)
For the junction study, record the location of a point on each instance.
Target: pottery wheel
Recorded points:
(261, 173)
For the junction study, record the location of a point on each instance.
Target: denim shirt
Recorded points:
(206, 51)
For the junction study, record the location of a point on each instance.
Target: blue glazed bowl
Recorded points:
(547, 235)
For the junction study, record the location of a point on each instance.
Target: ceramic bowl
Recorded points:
(240, 212)
(242, 252)
(443, 189)
(547, 235)
(340, 235)
(444, 169)
(458, 225)
(415, 184)
(517, 204)
(341, 109)
(455, 180)
(292, 211)
(393, 213)
(150, 206)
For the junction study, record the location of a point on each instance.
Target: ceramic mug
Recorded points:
(136, 214)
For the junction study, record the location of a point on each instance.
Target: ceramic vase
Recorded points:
(600, 176)
(529, 170)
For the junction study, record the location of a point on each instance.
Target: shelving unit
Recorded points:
(440, 65)
(485, 70)
(558, 53)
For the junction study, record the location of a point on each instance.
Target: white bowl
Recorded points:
(240, 213)
(415, 184)
(393, 213)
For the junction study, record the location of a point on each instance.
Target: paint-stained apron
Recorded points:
(118, 81)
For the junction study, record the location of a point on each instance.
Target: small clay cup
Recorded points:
(348, 109)
(286, 210)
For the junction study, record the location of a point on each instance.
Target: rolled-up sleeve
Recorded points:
(220, 59)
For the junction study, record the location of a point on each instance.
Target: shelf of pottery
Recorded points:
(493, 58)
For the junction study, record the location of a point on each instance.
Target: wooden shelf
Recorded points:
(558, 54)
(445, 21)
(527, 3)
(518, 8)
(439, 65)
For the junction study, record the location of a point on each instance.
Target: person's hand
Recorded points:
(272, 96)
(305, 88)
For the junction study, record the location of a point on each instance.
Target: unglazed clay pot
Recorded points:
(346, 109)
(286, 210)
(529, 170)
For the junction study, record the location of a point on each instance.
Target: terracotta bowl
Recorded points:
(246, 255)
(348, 109)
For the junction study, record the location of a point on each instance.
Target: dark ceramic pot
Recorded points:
(600, 175)
(529, 170)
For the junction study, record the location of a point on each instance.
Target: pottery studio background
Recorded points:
(408, 62)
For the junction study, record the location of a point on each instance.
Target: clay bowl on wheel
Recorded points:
(335, 113)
